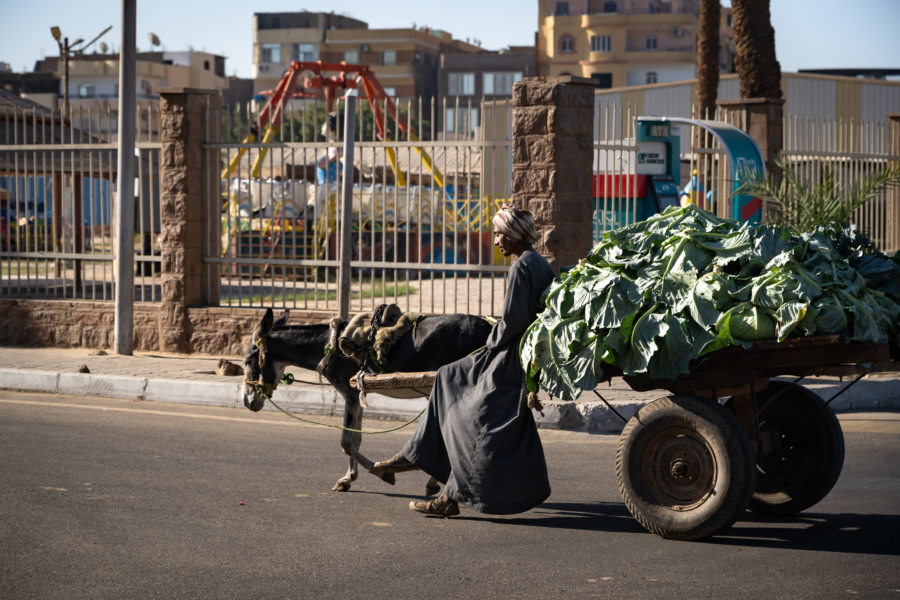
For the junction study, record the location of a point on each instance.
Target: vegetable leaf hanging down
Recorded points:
(656, 295)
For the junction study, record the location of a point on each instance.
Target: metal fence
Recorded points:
(422, 203)
(850, 153)
(57, 203)
(421, 210)
(813, 147)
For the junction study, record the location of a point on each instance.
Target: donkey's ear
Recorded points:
(266, 323)
(282, 320)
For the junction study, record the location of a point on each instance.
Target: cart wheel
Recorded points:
(685, 468)
(801, 451)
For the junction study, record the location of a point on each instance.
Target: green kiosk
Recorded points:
(658, 149)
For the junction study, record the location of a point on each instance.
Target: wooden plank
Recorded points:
(388, 381)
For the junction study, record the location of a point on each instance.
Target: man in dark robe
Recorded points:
(478, 435)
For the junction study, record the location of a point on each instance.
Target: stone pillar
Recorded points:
(764, 123)
(553, 140)
(187, 182)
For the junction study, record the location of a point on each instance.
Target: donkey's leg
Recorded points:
(350, 442)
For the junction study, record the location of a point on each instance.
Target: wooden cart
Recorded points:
(728, 435)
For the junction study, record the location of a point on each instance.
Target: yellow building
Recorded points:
(625, 42)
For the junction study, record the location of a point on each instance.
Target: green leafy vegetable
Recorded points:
(656, 295)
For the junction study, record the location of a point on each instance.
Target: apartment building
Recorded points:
(619, 43)
(405, 60)
(466, 80)
(93, 82)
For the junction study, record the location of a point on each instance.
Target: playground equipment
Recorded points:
(348, 76)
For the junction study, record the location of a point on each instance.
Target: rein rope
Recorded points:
(267, 389)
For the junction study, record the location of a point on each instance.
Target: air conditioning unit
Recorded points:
(678, 31)
(364, 48)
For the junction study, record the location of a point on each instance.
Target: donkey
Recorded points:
(434, 341)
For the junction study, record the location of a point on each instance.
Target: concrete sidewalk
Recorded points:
(192, 379)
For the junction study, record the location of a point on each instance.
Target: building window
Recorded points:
(271, 53)
(652, 77)
(460, 84)
(652, 42)
(351, 56)
(463, 121)
(86, 90)
(567, 44)
(304, 52)
(206, 65)
(562, 9)
(602, 80)
(389, 57)
(390, 92)
(601, 43)
(500, 83)
(610, 7)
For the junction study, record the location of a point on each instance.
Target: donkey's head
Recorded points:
(261, 372)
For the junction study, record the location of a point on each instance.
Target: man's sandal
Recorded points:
(439, 507)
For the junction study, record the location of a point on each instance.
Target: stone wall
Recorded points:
(85, 324)
(553, 138)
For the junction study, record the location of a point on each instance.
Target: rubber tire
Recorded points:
(724, 469)
(792, 479)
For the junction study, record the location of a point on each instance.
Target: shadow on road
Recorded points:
(602, 516)
(845, 533)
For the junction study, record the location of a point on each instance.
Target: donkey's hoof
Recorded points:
(341, 486)
(432, 488)
(388, 478)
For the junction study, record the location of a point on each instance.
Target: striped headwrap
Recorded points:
(516, 224)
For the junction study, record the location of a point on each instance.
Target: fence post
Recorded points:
(892, 220)
(186, 189)
(553, 141)
(346, 208)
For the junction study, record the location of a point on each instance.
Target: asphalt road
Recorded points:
(114, 499)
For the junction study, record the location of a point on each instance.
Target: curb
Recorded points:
(870, 394)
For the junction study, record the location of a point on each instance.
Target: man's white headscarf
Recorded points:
(516, 224)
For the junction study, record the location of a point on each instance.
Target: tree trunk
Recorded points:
(708, 57)
(754, 40)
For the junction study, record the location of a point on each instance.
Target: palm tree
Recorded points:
(708, 57)
(754, 40)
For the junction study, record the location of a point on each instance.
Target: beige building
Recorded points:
(93, 82)
(404, 60)
(625, 42)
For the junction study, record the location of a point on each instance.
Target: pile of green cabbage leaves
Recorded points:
(654, 296)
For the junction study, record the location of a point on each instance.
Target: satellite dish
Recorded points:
(153, 39)
(103, 47)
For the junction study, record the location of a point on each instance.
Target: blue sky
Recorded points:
(808, 33)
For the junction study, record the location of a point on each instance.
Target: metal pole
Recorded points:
(125, 186)
(65, 53)
(346, 207)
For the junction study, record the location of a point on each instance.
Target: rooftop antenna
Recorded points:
(99, 35)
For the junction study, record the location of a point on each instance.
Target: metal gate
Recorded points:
(421, 210)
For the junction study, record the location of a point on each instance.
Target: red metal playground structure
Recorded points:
(460, 235)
